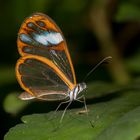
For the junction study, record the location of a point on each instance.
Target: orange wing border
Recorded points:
(45, 61)
(51, 25)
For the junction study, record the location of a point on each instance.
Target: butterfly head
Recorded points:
(75, 92)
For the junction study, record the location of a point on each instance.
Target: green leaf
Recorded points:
(127, 127)
(114, 116)
(128, 12)
(13, 105)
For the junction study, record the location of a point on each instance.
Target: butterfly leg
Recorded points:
(61, 104)
(84, 101)
(54, 114)
(65, 111)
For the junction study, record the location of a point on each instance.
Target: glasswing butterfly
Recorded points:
(45, 70)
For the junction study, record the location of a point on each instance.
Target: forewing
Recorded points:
(39, 77)
(39, 35)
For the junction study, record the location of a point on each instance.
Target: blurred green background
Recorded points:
(93, 30)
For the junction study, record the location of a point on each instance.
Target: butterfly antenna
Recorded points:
(109, 57)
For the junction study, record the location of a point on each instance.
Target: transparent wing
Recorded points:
(39, 35)
(39, 77)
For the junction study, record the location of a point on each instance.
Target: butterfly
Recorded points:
(45, 70)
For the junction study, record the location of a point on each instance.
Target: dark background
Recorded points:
(93, 30)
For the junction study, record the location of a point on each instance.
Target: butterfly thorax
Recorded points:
(75, 92)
